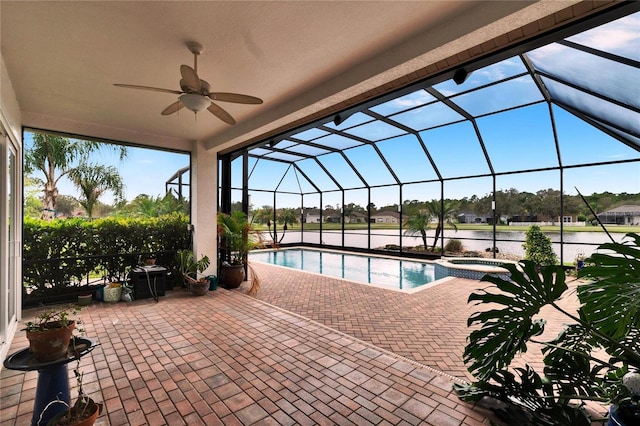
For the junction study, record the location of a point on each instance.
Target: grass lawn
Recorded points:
(461, 226)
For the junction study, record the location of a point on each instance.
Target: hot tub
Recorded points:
(473, 268)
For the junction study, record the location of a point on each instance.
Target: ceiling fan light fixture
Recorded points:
(195, 102)
(195, 93)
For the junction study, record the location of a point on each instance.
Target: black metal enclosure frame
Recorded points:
(568, 74)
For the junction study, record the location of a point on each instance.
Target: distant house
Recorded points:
(327, 216)
(312, 216)
(473, 218)
(385, 217)
(525, 218)
(623, 215)
(355, 217)
(572, 219)
(331, 216)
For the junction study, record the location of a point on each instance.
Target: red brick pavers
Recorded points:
(428, 326)
(226, 358)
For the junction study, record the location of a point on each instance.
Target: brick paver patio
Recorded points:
(428, 326)
(308, 350)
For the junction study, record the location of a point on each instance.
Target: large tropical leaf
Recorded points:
(611, 302)
(506, 330)
(569, 365)
(527, 400)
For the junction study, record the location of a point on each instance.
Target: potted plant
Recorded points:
(84, 411)
(189, 267)
(595, 357)
(234, 242)
(50, 332)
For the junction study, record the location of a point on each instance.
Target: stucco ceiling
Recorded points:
(299, 57)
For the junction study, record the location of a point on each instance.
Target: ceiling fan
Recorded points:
(196, 94)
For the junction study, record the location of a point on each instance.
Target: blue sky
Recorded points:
(144, 171)
(517, 140)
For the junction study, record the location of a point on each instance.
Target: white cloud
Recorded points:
(414, 99)
(621, 36)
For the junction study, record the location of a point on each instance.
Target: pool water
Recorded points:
(388, 272)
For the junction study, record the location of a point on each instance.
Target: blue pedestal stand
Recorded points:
(53, 382)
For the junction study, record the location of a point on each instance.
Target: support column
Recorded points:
(204, 203)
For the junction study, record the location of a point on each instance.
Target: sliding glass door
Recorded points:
(9, 239)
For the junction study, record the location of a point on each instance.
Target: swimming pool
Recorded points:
(392, 273)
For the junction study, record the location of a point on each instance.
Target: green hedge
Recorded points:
(62, 253)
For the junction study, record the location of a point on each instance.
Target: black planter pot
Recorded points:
(231, 276)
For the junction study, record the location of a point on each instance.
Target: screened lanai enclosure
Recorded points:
(509, 140)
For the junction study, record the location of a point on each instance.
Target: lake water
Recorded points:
(507, 242)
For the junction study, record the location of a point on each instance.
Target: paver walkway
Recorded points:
(226, 358)
(308, 350)
(428, 326)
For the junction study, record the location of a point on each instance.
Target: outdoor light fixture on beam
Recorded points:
(341, 117)
(460, 76)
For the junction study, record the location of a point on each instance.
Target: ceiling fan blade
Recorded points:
(172, 108)
(190, 78)
(234, 97)
(154, 89)
(221, 114)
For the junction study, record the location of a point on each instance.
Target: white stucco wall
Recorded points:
(10, 114)
(10, 132)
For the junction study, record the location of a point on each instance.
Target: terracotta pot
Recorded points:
(50, 345)
(200, 288)
(231, 276)
(62, 419)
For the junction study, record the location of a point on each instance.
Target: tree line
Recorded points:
(543, 204)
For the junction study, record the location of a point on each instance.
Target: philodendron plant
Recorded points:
(189, 267)
(593, 358)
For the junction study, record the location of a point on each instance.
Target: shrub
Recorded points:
(454, 246)
(61, 253)
(538, 247)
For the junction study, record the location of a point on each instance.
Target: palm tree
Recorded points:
(445, 214)
(146, 206)
(142, 206)
(418, 224)
(288, 216)
(55, 156)
(93, 181)
(262, 214)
